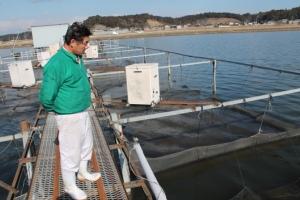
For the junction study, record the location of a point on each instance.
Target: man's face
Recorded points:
(78, 48)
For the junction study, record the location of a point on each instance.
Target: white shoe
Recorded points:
(83, 174)
(70, 185)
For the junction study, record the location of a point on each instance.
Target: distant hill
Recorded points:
(152, 23)
(144, 20)
(22, 36)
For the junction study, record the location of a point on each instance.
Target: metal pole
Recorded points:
(156, 188)
(128, 52)
(90, 61)
(169, 69)
(123, 160)
(145, 61)
(163, 67)
(214, 62)
(25, 130)
(207, 107)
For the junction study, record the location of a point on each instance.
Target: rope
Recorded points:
(190, 73)
(238, 163)
(161, 191)
(3, 95)
(236, 157)
(270, 101)
(270, 107)
(278, 75)
(242, 86)
(6, 147)
(137, 127)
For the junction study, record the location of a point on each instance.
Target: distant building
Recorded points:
(283, 21)
(294, 21)
(270, 22)
(46, 35)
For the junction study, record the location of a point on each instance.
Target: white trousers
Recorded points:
(75, 139)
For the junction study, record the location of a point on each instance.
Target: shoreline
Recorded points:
(176, 32)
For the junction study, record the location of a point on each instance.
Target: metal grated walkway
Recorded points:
(47, 182)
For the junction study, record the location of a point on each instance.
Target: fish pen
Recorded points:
(207, 108)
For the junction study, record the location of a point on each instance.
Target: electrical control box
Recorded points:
(53, 49)
(92, 51)
(143, 84)
(21, 73)
(43, 57)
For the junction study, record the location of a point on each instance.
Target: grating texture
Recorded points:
(110, 177)
(43, 178)
(42, 181)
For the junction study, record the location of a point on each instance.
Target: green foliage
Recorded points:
(22, 36)
(140, 20)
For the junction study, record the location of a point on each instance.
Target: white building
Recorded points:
(44, 36)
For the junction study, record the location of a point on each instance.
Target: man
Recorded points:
(66, 92)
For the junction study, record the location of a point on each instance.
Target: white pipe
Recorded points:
(156, 189)
(11, 137)
(206, 107)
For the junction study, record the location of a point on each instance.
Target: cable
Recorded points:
(244, 81)
(6, 147)
(143, 177)
(227, 61)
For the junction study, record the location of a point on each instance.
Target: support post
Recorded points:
(89, 73)
(169, 69)
(145, 61)
(25, 130)
(156, 188)
(123, 160)
(128, 52)
(214, 85)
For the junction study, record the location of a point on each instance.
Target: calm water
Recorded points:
(219, 178)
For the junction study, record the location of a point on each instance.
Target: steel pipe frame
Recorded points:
(125, 51)
(207, 107)
(16, 179)
(163, 67)
(120, 58)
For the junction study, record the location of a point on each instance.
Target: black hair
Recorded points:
(77, 31)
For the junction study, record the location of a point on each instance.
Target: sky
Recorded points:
(19, 15)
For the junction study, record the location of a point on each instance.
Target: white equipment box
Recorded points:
(92, 51)
(43, 57)
(143, 84)
(53, 49)
(21, 74)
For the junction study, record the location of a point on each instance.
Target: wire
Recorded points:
(227, 61)
(242, 86)
(6, 147)
(143, 177)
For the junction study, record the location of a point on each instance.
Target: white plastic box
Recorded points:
(43, 57)
(21, 74)
(143, 84)
(92, 51)
(53, 49)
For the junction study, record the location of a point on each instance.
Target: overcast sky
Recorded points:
(22, 14)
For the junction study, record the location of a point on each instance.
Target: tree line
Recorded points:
(140, 20)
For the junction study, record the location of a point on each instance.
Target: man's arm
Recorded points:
(50, 87)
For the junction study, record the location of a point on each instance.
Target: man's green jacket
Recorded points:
(65, 87)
